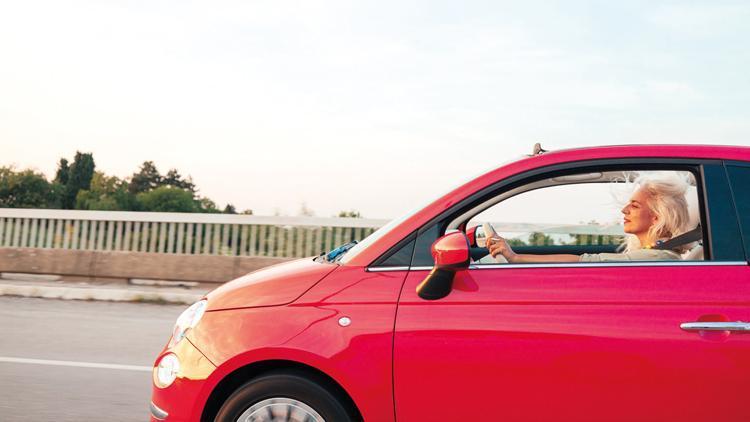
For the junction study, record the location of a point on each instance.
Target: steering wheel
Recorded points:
(481, 252)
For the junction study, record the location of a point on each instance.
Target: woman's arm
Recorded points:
(498, 246)
(522, 258)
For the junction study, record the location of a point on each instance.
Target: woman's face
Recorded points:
(637, 215)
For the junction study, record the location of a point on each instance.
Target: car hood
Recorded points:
(271, 286)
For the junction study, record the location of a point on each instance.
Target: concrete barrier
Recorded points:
(92, 265)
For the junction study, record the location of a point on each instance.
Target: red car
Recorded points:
(418, 323)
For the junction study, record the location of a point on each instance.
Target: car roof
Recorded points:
(710, 152)
(725, 152)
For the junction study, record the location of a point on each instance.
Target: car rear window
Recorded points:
(739, 177)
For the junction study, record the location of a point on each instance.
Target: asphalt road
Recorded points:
(42, 340)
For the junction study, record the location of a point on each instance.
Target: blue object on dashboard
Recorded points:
(331, 256)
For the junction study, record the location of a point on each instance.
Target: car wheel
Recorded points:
(282, 396)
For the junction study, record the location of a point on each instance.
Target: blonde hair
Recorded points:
(666, 199)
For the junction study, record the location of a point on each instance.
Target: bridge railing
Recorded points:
(214, 234)
(179, 233)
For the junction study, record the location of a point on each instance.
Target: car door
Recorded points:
(582, 341)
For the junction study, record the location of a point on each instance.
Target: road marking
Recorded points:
(76, 364)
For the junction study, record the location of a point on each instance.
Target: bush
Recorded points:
(24, 189)
(167, 199)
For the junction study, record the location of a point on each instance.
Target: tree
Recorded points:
(87, 200)
(81, 173)
(173, 178)
(107, 193)
(80, 186)
(167, 199)
(247, 212)
(514, 241)
(63, 172)
(23, 189)
(146, 179)
(57, 196)
(540, 239)
(206, 205)
(350, 214)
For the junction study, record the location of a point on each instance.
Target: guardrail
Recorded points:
(215, 234)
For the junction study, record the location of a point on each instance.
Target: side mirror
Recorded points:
(451, 254)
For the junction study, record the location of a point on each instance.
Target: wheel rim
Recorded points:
(280, 409)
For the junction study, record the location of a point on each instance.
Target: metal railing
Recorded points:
(217, 234)
(179, 233)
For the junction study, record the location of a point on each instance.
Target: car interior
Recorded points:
(467, 223)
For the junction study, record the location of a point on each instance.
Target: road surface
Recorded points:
(79, 361)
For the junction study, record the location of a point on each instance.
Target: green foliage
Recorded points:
(167, 199)
(107, 193)
(23, 189)
(173, 178)
(514, 241)
(101, 183)
(350, 214)
(534, 239)
(87, 200)
(589, 239)
(208, 206)
(57, 193)
(63, 172)
(146, 179)
(79, 186)
(540, 239)
(149, 178)
(81, 173)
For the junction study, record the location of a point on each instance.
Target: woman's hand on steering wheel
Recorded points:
(498, 246)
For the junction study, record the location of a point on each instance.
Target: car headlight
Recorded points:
(187, 320)
(167, 370)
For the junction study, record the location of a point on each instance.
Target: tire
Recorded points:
(282, 396)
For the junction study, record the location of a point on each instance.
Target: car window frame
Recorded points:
(709, 181)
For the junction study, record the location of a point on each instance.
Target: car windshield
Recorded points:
(377, 234)
(369, 240)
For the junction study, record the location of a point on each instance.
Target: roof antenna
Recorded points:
(538, 149)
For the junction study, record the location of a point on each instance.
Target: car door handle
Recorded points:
(716, 326)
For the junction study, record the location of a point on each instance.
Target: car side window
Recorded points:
(576, 214)
(596, 217)
(739, 177)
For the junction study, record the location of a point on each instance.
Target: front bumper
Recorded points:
(157, 413)
(178, 401)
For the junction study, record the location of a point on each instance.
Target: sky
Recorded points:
(377, 106)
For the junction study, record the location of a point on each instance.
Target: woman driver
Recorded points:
(656, 212)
